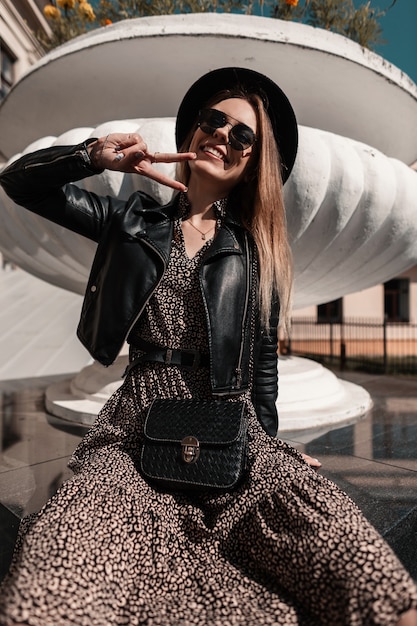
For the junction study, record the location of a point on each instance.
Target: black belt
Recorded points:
(187, 359)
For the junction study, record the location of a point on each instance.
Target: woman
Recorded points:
(285, 546)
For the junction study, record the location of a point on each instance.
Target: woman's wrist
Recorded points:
(84, 152)
(95, 151)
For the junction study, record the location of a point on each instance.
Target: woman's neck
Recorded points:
(201, 201)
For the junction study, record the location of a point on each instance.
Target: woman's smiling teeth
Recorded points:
(215, 152)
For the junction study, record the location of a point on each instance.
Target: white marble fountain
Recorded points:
(351, 199)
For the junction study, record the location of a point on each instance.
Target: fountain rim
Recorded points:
(333, 83)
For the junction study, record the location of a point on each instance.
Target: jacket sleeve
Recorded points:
(265, 384)
(41, 182)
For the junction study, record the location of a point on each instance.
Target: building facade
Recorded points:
(19, 48)
(394, 301)
(373, 330)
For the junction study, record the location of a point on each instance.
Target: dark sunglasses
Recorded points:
(240, 135)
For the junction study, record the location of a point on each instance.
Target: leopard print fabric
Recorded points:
(287, 547)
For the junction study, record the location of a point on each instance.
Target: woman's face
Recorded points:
(216, 160)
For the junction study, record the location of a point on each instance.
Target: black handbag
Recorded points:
(194, 445)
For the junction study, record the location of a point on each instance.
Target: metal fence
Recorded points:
(364, 345)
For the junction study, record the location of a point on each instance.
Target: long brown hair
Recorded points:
(261, 207)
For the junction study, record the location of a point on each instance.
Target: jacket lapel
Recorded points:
(154, 225)
(225, 242)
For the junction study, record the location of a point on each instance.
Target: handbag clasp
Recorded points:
(190, 449)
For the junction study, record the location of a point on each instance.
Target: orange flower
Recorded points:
(291, 3)
(66, 4)
(107, 22)
(51, 12)
(86, 11)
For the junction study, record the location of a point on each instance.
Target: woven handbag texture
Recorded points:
(221, 430)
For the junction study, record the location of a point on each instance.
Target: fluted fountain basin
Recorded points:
(350, 210)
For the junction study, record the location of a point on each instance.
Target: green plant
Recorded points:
(69, 18)
(361, 24)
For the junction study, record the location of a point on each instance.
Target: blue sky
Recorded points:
(400, 33)
(399, 30)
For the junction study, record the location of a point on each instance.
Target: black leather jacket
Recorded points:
(134, 242)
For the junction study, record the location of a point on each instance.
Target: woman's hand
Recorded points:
(314, 463)
(128, 153)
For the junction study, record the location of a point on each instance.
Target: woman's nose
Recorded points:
(222, 133)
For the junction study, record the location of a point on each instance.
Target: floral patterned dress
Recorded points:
(286, 547)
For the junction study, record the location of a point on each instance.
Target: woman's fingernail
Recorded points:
(119, 156)
(140, 154)
(185, 189)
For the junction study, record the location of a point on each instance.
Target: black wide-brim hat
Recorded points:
(277, 105)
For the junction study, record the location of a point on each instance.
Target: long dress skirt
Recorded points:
(287, 547)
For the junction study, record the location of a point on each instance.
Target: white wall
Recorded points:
(366, 303)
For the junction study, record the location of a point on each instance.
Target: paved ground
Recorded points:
(374, 460)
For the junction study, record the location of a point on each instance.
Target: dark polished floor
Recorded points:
(374, 460)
